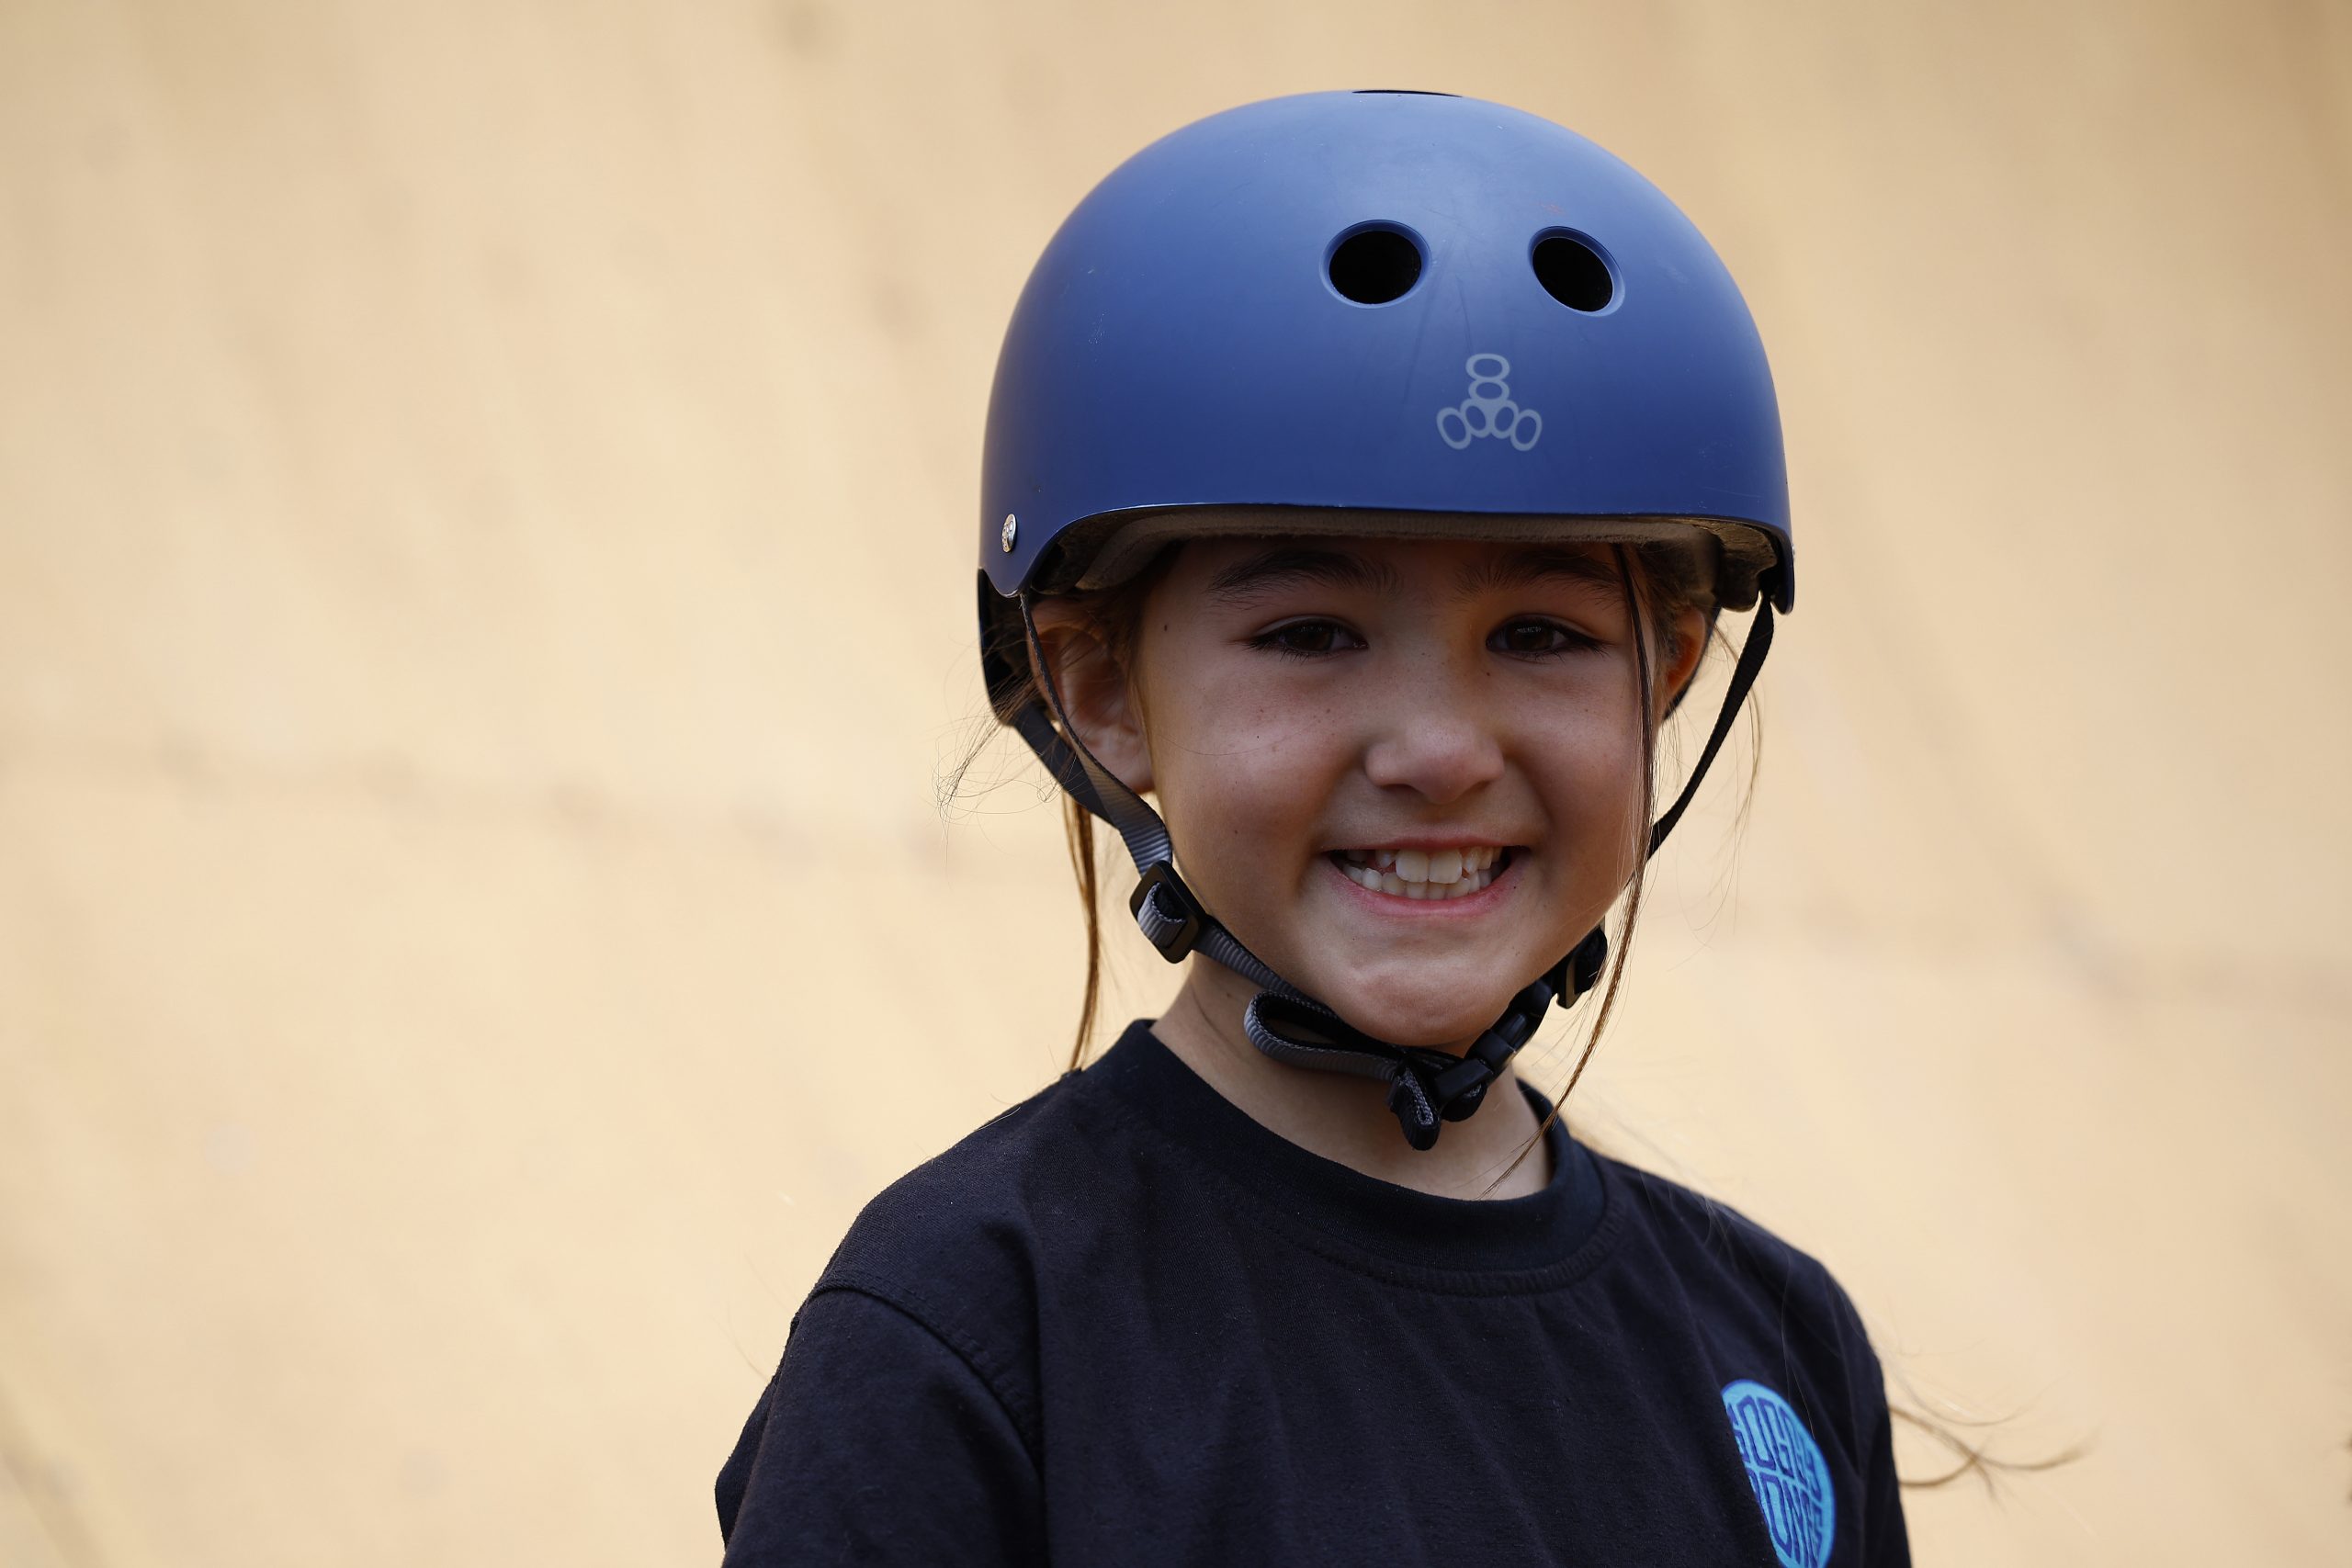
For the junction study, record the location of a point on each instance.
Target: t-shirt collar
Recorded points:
(1540, 1230)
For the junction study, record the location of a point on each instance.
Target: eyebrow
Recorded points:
(1288, 566)
(1537, 563)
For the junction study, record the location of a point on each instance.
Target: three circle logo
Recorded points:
(1785, 1466)
(1488, 410)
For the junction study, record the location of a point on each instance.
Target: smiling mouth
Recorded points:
(1429, 876)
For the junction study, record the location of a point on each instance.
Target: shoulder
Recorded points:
(960, 1243)
(1783, 1340)
(980, 1203)
(953, 1247)
(1730, 1266)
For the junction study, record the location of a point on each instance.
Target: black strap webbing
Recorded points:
(1743, 677)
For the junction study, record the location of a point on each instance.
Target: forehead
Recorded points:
(1250, 566)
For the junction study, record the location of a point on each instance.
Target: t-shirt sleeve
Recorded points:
(878, 1442)
(1885, 1540)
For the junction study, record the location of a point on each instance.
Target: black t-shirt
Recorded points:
(1124, 1324)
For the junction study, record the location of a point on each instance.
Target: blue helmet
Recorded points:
(1364, 313)
(1381, 301)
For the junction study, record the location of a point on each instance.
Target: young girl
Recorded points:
(1365, 472)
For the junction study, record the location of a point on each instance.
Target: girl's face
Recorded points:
(1406, 773)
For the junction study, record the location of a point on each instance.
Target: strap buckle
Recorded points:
(1171, 916)
(1460, 1088)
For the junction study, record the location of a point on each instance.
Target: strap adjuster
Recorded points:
(1584, 965)
(1171, 916)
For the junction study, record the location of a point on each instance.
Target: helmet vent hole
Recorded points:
(1573, 273)
(1373, 267)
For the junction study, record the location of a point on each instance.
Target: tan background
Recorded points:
(485, 504)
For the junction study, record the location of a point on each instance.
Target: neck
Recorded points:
(1346, 1119)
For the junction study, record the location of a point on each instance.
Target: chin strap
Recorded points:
(1426, 1088)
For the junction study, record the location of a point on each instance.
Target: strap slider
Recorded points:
(1171, 916)
(1584, 965)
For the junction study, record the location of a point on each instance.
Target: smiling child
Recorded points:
(1366, 473)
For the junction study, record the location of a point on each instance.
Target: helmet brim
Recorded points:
(1727, 558)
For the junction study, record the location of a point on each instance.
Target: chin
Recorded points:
(1438, 1020)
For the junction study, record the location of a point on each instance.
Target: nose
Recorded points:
(1434, 738)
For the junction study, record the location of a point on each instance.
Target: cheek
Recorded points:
(1243, 771)
(1589, 773)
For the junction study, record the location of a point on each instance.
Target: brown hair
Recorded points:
(1115, 617)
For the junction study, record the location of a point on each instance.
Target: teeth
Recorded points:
(1421, 874)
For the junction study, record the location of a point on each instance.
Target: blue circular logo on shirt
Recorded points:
(1785, 1466)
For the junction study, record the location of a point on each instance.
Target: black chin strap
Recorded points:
(1427, 1088)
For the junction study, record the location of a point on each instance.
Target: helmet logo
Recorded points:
(1488, 410)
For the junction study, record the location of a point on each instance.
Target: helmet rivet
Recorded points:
(1011, 529)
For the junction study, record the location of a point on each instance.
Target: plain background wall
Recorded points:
(487, 495)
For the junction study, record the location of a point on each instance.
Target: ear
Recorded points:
(1095, 691)
(1690, 628)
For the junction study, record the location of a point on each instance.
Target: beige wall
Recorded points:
(485, 492)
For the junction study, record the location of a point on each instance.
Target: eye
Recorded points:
(1537, 639)
(1306, 639)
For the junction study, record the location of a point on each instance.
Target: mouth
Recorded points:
(1425, 875)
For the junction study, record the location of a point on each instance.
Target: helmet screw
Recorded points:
(1011, 528)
